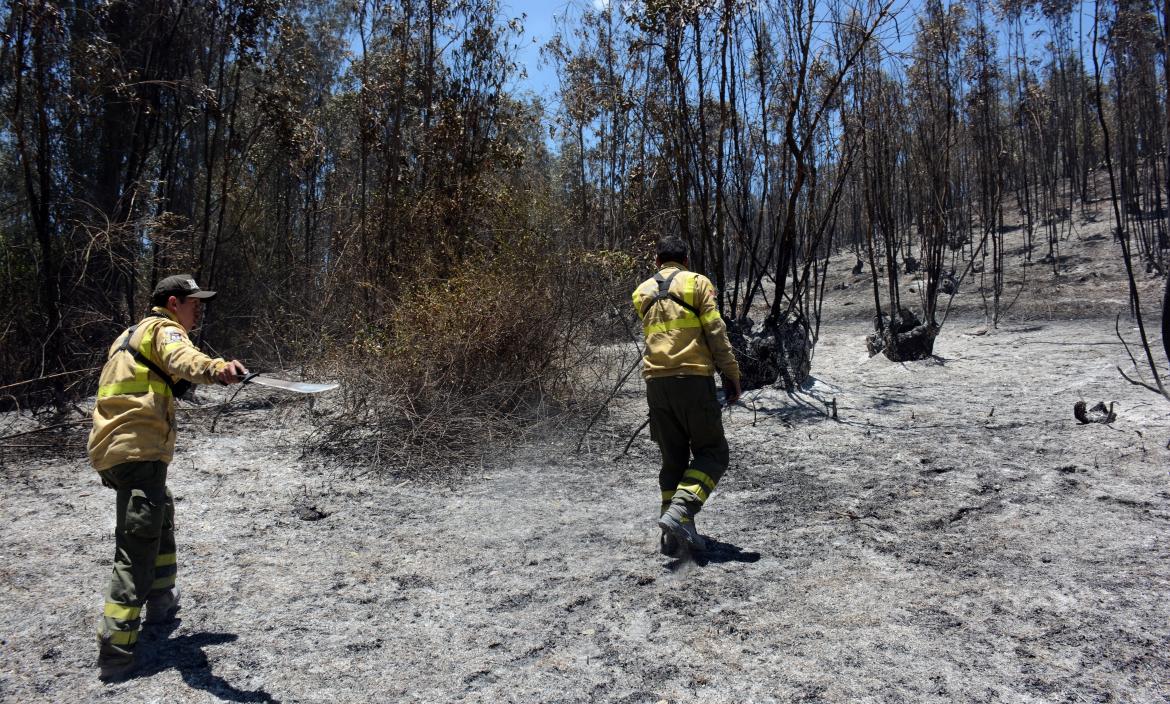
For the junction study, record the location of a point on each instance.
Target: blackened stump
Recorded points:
(775, 354)
(903, 339)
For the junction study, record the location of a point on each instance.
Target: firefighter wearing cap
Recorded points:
(131, 443)
(686, 341)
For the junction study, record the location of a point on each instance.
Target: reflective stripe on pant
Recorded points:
(686, 423)
(144, 555)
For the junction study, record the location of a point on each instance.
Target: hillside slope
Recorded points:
(954, 535)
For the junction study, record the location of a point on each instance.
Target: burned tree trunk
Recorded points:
(1166, 319)
(775, 354)
(903, 339)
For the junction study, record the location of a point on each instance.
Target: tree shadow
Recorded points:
(185, 654)
(934, 359)
(881, 403)
(718, 552)
(798, 412)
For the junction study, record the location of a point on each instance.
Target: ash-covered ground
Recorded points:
(953, 536)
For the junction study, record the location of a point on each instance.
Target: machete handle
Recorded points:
(249, 376)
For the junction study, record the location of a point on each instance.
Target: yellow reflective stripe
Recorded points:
(680, 324)
(162, 583)
(164, 560)
(689, 291)
(146, 345)
(123, 637)
(134, 387)
(146, 348)
(702, 477)
(122, 613)
(142, 383)
(696, 489)
(638, 303)
(709, 316)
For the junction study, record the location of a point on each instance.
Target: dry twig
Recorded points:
(45, 429)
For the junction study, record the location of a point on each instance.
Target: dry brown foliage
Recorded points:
(461, 367)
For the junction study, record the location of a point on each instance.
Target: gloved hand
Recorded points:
(731, 389)
(232, 372)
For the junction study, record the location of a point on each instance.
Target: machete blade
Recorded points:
(303, 387)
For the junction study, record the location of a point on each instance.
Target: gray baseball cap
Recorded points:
(182, 285)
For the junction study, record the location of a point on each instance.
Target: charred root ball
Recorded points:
(776, 354)
(903, 339)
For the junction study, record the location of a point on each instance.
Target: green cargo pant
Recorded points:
(144, 555)
(686, 423)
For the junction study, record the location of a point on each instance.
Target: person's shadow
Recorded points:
(717, 552)
(186, 655)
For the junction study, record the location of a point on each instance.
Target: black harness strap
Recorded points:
(663, 293)
(178, 388)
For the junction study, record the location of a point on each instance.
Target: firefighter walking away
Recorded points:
(686, 343)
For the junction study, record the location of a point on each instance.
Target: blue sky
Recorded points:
(542, 15)
(539, 27)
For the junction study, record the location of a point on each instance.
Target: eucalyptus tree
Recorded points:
(984, 115)
(933, 135)
(1067, 91)
(35, 45)
(1123, 39)
(1132, 43)
(427, 88)
(877, 102)
(749, 132)
(102, 105)
(604, 105)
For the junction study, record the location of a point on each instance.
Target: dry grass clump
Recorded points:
(460, 367)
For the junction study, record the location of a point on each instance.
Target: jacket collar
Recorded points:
(672, 265)
(159, 310)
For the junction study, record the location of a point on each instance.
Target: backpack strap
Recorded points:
(178, 388)
(663, 293)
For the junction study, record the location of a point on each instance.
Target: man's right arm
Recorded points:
(639, 301)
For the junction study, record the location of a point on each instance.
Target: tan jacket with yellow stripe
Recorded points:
(677, 342)
(134, 417)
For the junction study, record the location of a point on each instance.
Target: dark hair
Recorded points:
(671, 248)
(160, 299)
